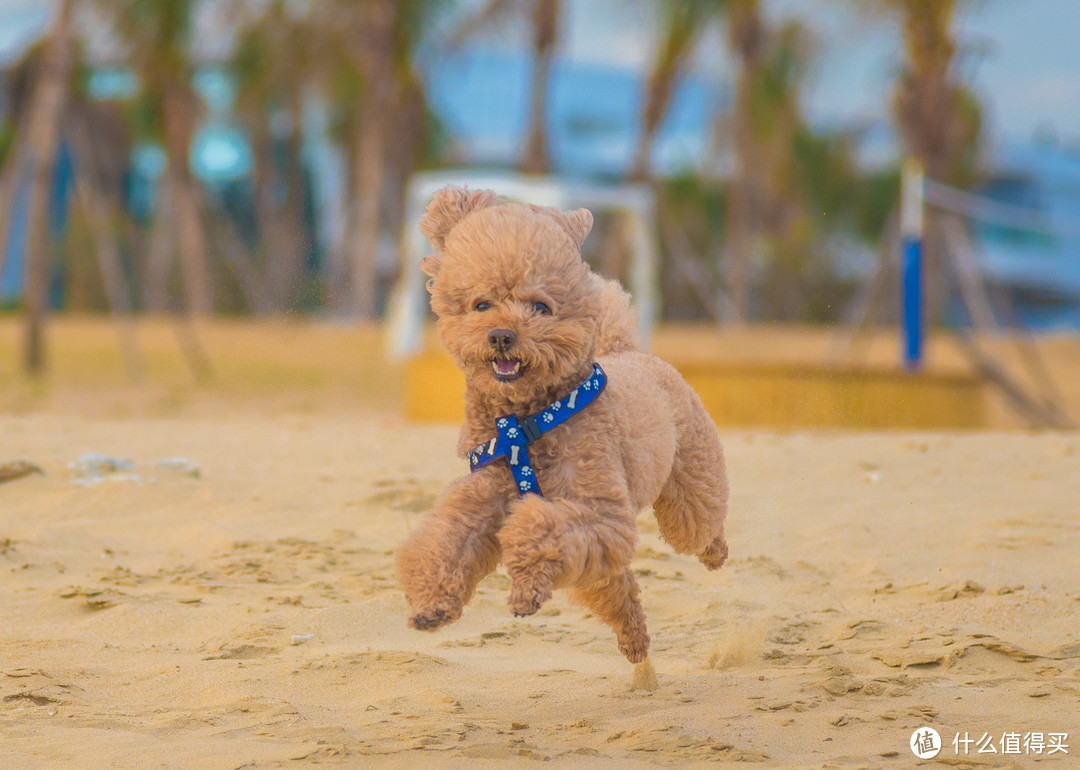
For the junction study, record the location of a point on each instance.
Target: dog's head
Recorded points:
(516, 303)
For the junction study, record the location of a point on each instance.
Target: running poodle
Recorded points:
(570, 430)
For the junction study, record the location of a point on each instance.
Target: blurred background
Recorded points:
(251, 160)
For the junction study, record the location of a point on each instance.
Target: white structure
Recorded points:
(633, 202)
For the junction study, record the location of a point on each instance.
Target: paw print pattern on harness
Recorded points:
(513, 436)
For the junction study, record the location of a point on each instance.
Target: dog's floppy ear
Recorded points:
(449, 206)
(430, 265)
(577, 223)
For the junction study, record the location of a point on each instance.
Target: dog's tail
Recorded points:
(616, 323)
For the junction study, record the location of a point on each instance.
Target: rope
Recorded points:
(992, 212)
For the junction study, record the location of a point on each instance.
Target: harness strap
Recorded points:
(513, 435)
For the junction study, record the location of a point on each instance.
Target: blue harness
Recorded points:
(514, 435)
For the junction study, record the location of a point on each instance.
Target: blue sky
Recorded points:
(1023, 59)
(1023, 56)
(1032, 71)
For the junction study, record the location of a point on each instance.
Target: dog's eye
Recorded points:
(482, 306)
(541, 308)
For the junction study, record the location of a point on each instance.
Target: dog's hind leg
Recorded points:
(616, 601)
(442, 561)
(692, 505)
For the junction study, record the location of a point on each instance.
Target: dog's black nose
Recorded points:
(501, 339)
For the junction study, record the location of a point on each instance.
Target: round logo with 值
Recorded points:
(925, 743)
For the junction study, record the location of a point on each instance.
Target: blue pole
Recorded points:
(912, 305)
(912, 329)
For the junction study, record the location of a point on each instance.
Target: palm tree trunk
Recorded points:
(44, 138)
(11, 176)
(746, 33)
(191, 240)
(545, 34)
(739, 249)
(681, 32)
(160, 253)
(94, 206)
(281, 228)
(410, 133)
(926, 100)
(368, 175)
(927, 108)
(186, 201)
(369, 156)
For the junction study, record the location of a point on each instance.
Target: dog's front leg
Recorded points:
(440, 564)
(549, 544)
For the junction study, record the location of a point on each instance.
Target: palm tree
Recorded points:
(778, 126)
(765, 208)
(367, 68)
(272, 64)
(543, 17)
(770, 189)
(761, 200)
(157, 32)
(374, 54)
(48, 103)
(746, 36)
(545, 31)
(938, 118)
(682, 23)
(356, 66)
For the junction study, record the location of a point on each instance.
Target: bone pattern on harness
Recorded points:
(513, 436)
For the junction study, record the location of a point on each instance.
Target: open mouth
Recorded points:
(506, 369)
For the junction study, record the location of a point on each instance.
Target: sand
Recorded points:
(242, 610)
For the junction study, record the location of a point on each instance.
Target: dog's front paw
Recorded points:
(528, 594)
(432, 618)
(429, 621)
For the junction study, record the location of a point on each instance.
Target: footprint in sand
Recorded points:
(243, 652)
(407, 495)
(37, 688)
(93, 599)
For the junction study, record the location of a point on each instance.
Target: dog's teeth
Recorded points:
(501, 367)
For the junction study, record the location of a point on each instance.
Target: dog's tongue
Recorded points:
(506, 366)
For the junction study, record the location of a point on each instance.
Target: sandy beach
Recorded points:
(236, 605)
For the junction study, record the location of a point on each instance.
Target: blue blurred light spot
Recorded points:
(112, 84)
(148, 160)
(216, 88)
(220, 153)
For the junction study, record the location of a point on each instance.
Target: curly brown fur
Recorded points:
(647, 440)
